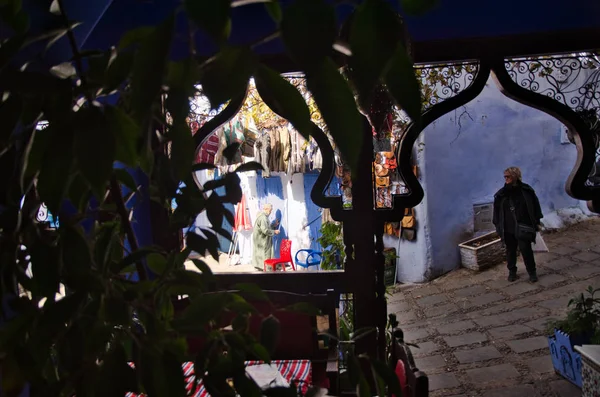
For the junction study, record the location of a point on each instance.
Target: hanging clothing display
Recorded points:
(275, 160)
(234, 133)
(296, 162)
(220, 160)
(208, 150)
(262, 152)
(286, 147)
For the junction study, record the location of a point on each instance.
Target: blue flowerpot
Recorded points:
(566, 361)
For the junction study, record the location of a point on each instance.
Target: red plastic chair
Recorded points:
(285, 257)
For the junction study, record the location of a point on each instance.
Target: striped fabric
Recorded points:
(293, 371)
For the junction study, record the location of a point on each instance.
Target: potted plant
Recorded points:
(332, 241)
(580, 326)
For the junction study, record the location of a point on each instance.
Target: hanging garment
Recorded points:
(208, 150)
(220, 160)
(296, 162)
(234, 133)
(242, 216)
(275, 158)
(286, 147)
(262, 153)
(318, 160)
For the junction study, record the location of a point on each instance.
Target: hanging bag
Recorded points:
(408, 222)
(524, 232)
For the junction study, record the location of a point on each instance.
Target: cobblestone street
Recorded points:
(480, 335)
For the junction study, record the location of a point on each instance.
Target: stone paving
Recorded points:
(480, 335)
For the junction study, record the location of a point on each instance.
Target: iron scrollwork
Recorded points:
(442, 82)
(574, 81)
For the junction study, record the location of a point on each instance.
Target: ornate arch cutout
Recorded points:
(459, 84)
(325, 177)
(519, 79)
(525, 82)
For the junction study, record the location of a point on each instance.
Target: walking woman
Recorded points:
(517, 216)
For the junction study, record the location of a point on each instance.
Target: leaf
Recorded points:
(259, 351)
(149, 67)
(10, 112)
(45, 265)
(135, 36)
(182, 149)
(203, 267)
(274, 10)
(214, 211)
(131, 259)
(403, 85)
(269, 333)
(126, 134)
(157, 263)
(76, 255)
(284, 99)
(204, 308)
(214, 184)
(79, 192)
(118, 71)
(64, 70)
(95, 148)
(250, 166)
(388, 376)
(253, 291)
(211, 15)
(55, 7)
(116, 378)
(246, 386)
(374, 36)
(230, 151)
(55, 167)
(10, 48)
(203, 166)
(126, 179)
(418, 7)
(308, 31)
(338, 107)
(201, 244)
(233, 190)
(226, 75)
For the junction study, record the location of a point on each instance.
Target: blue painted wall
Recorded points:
(462, 157)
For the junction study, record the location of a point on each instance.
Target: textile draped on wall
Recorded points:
(313, 212)
(270, 190)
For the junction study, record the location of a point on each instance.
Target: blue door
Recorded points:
(313, 212)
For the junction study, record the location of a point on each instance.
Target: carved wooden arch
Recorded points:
(576, 183)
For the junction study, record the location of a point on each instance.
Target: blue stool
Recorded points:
(313, 258)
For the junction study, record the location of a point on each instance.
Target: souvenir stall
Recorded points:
(290, 168)
(291, 165)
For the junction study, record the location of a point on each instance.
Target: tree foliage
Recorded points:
(83, 300)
